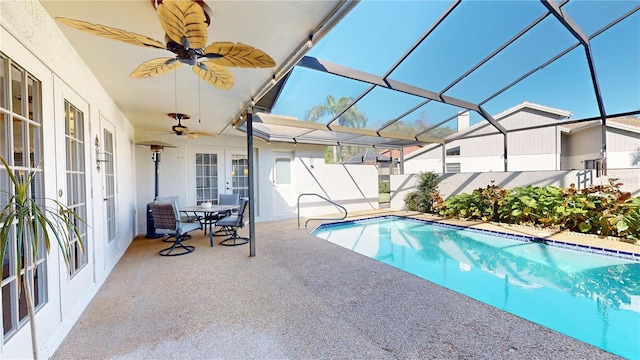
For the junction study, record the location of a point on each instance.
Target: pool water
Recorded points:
(592, 297)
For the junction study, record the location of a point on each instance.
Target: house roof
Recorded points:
(533, 106)
(631, 124)
(558, 114)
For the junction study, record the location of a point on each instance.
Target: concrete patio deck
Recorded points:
(299, 298)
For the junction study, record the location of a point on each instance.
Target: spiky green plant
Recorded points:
(35, 224)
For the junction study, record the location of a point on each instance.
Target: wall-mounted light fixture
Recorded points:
(310, 41)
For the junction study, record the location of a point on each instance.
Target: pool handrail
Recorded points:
(323, 198)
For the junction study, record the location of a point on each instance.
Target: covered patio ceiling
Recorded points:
(395, 74)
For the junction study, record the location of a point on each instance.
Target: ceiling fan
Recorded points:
(185, 24)
(182, 130)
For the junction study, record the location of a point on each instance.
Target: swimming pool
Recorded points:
(586, 295)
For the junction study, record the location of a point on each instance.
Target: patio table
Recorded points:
(209, 212)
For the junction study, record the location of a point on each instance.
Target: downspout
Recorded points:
(252, 216)
(444, 157)
(506, 152)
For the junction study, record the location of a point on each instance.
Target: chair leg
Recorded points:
(186, 249)
(234, 239)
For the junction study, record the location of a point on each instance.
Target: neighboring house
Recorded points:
(480, 148)
(581, 144)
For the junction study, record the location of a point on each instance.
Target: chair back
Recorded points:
(172, 200)
(229, 199)
(244, 204)
(164, 215)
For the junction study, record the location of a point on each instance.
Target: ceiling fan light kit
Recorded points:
(185, 24)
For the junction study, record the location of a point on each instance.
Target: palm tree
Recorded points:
(30, 224)
(331, 107)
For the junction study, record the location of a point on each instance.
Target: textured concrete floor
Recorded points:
(299, 298)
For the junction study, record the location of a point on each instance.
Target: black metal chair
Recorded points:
(231, 223)
(167, 220)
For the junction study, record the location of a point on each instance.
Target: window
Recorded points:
(206, 178)
(240, 175)
(21, 147)
(283, 171)
(595, 164)
(452, 168)
(454, 151)
(76, 183)
(109, 183)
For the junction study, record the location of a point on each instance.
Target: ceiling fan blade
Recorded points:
(155, 67)
(159, 132)
(201, 133)
(237, 55)
(190, 135)
(184, 22)
(112, 33)
(214, 74)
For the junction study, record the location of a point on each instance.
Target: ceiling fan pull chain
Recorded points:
(199, 113)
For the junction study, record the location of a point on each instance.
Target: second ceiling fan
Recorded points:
(185, 24)
(182, 130)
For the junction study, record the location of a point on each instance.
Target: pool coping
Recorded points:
(571, 245)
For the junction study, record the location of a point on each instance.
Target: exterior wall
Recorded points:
(620, 146)
(419, 164)
(453, 184)
(585, 145)
(31, 38)
(489, 145)
(539, 162)
(620, 140)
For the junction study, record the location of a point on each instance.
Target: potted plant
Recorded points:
(34, 225)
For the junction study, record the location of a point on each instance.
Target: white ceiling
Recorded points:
(276, 27)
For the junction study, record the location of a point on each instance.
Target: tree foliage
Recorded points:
(422, 198)
(352, 117)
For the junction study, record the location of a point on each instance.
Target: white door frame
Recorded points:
(86, 276)
(112, 246)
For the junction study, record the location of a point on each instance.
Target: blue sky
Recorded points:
(375, 34)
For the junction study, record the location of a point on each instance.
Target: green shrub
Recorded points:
(599, 209)
(422, 199)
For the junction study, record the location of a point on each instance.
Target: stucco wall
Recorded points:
(453, 184)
